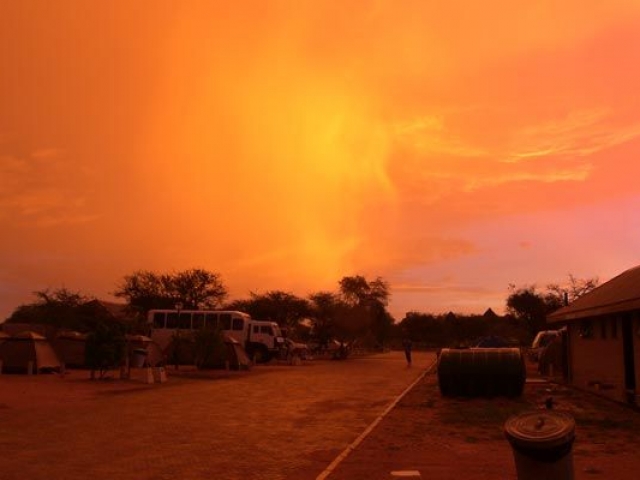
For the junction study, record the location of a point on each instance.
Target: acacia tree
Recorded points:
(324, 309)
(368, 300)
(573, 289)
(193, 289)
(528, 304)
(284, 308)
(60, 308)
(357, 290)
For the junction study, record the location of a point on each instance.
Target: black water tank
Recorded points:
(481, 372)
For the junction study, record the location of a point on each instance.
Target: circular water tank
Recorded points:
(481, 372)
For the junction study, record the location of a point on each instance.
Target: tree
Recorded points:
(356, 290)
(324, 309)
(194, 289)
(526, 304)
(145, 290)
(368, 300)
(284, 308)
(60, 308)
(572, 290)
(351, 323)
(50, 308)
(105, 347)
(197, 289)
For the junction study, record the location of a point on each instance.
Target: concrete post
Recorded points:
(150, 378)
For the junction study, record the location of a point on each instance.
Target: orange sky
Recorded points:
(449, 147)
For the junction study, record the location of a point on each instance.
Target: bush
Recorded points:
(105, 348)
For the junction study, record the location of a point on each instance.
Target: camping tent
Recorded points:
(236, 355)
(70, 347)
(25, 348)
(232, 356)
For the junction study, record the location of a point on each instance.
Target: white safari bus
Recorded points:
(261, 339)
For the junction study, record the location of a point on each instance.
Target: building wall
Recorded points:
(596, 360)
(636, 351)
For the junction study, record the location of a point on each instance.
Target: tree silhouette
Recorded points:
(194, 289)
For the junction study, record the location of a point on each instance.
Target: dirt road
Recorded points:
(274, 422)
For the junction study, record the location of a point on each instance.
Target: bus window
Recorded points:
(158, 320)
(185, 321)
(238, 324)
(172, 320)
(266, 329)
(211, 320)
(225, 321)
(197, 321)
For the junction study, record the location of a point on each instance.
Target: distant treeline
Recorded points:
(451, 330)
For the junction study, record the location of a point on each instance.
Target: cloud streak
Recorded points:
(288, 144)
(35, 190)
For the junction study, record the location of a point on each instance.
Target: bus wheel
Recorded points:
(261, 354)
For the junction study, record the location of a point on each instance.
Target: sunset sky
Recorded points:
(450, 147)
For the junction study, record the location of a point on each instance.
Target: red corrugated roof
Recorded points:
(620, 294)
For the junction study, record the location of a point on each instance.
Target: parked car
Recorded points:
(294, 348)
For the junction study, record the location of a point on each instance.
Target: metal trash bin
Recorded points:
(542, 443)
(481, 372)
(139, 357)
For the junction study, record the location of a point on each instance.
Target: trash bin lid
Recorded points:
(540, 429)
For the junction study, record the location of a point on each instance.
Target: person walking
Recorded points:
(407, 345)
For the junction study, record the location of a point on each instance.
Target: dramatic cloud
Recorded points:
(287, 144)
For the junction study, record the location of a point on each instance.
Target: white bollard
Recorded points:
(30, 368)
(162, 375)
(150, 378)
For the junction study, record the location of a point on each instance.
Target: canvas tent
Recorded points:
(28, 348)
(236, 355)
(70, 348)
(232, 356)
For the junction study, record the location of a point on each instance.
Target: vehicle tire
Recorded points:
(260, 354)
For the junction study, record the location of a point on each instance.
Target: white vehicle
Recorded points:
(542, 339)
(261, 339)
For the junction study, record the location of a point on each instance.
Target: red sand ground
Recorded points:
(443, 438)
